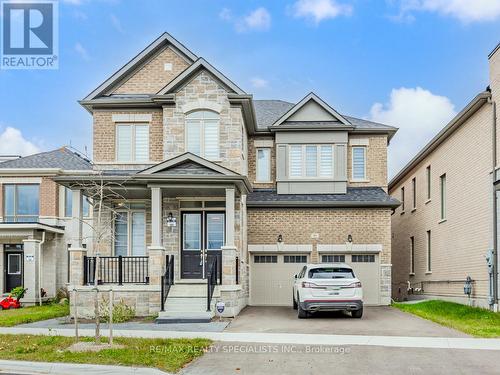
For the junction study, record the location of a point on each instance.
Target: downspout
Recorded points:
(494, 297)
(40, 268)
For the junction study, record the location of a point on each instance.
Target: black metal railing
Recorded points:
(212, 279)
(116, 270)
(167, 280)
(237, 270)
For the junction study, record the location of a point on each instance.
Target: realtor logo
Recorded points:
(29, 35)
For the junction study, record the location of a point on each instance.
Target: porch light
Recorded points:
(349, 238)
(171, 221)
(280, 238)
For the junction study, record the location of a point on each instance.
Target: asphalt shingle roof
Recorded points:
(268, 111)
(371, 196)
(61, 158)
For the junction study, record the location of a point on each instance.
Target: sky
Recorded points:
(413, 64)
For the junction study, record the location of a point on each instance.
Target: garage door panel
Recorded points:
(272, 283)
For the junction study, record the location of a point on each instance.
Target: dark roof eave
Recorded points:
(471, 108)
(347, 204)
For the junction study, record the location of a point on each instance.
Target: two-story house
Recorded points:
(201, 184)
(445, 230)
(35, 213)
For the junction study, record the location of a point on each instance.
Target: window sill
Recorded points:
(413, 210)
(428, 272)
(355, 181)
(263, 182)
(411, 274)
(428, 201)
(402, 213)
(441, 221)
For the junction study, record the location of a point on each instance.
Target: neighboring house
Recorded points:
(196, 170)
(446, 225)
(34, 218)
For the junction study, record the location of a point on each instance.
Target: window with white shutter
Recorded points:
(132, 142)
(359, 163)
(202, 134)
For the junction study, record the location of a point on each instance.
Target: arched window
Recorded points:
(202, 134)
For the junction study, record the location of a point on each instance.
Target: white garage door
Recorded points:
(272, 278)
(366, 268)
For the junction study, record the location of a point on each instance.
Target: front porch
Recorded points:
(170, 233)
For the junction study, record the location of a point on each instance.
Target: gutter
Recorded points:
(494, 288)
(40, 268)
(321, 204)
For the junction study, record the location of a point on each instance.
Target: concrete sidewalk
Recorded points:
(23, 367)
(286, 338)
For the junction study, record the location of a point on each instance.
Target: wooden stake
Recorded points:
(75, 312)
(97, 322)
(111, 317)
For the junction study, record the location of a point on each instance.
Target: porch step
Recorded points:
(190, 290)
(165, 317)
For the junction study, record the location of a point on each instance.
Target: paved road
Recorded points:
(234, 358)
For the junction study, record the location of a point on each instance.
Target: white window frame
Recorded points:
(129, 213)
(428, 244)
(412, 255)
(64, 203)
(269, 179)
(365, 178)
(202, 134)
(318, 162)
(20, 259)
(414, 192)
(442, 196)
(132, 158)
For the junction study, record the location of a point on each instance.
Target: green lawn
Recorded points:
(165, 354)
(471, 320)
(9, 318)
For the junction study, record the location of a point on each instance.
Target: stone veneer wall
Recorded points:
(204, 89)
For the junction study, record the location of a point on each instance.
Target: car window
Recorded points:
(331, 273)
(302, 272)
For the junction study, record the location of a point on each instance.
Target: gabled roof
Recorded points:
(267, 112)
(61, 158)
(162, 41)
(311, 97)
(191, 72)
(187, 164)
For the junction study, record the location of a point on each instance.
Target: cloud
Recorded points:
(320, 10)
(419, 114)
(257, 20)
(12, 142)
(465, 10)
(115, 21)
(259, 83)
(82, 51)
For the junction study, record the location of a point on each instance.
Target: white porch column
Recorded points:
(30, 273)
(229, 250)
(156, 251)
(76, 218)
(156, 217)
(230, 217)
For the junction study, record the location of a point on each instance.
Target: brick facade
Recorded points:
(104, 135)
(376, 162)
(152, 76)
(458, 244)
(252, 156)
(49, 198)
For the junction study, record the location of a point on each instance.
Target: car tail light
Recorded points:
(305, 284)
(353, 285)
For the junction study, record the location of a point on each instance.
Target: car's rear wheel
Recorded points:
(303, 314)
(294, 303)
(357, 313)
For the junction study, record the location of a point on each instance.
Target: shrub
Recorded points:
(62, 294)
(121, 311)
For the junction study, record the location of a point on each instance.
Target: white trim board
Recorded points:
(283, 248)
(349, 248)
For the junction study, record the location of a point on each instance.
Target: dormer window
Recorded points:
(202, 134)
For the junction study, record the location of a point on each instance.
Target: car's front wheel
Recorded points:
(357, 313)
(294, 303)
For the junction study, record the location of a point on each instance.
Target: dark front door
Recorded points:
(202, 239)
(13, 268)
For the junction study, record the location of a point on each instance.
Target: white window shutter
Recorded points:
(141, 142)
(211, 139)
(326, 161)
(124, 142)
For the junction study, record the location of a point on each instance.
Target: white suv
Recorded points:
(327, 287)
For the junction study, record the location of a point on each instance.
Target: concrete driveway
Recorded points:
(376, 321)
